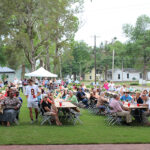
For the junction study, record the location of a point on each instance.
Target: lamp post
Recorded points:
(113, 59)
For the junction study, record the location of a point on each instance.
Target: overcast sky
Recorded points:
(106, 17)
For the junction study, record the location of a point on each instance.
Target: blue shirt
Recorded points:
(124, 98)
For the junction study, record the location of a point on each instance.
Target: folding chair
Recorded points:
(45, 118)
(75, 117)
(112, 118)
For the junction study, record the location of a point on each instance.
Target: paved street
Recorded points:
(79, 147)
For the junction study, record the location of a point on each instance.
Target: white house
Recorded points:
(128, 74)
(8, 72)
(11, 74)
(18, 72)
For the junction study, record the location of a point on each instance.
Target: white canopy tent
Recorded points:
(41, 72)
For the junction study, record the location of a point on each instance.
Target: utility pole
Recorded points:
(95, 55)
(122, 69)
(113, 64)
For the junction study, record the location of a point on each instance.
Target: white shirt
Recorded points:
(15, 81)
(148, 102)
(32, 91)
(20, 83)
(111, 86)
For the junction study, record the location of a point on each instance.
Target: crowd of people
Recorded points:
(42, 93)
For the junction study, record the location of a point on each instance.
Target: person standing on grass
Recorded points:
(32, 92)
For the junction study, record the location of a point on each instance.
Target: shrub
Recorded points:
(134, 83)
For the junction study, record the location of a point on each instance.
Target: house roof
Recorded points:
(129, 70)
(6, 70)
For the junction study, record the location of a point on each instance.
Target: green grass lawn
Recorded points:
(93, 130)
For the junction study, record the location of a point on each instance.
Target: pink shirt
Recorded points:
(115, 105)
(106, 86)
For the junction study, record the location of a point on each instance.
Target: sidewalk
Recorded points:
(79, 147)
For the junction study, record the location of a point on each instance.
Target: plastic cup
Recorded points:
(128, 104)
(138, 105)
(60, 104)
(34, 96)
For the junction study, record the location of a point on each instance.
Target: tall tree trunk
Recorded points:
(33, 65)
(23, 71)
(145, 71)
(145, 67)
(75, 76)
(56, 59)
(47, 59)
(41, 63)
(106, 68)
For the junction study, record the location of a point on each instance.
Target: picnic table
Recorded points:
(68, 111)
(65, 104)
(135, 106)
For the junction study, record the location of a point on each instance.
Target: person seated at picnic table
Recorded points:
(10, 105)
(117, 89)
(101, 102)
(146, 114)
(73, 99)
(144, 96)
(116, 108)
(59, 93)
(50, 109)
(51, 86)
(111, 86)
(74, 87)
(1, 84)
(82, 97)
(126, 97)
(138, 98)
(65, 94)
(83, 87)
(2, 95)
(61, 87)
(99, 89)
(137, 113)
(145, 92)
(94, 97)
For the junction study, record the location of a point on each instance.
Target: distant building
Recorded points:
(90, 76)
(128, 74)
(11, 74)
(8, 72)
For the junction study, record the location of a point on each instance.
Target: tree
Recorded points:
(78, 59)
(35, 26)
(139, 42)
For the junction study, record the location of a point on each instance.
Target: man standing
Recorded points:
(32, 93)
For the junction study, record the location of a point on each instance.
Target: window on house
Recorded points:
(140, 75)
(96, 71)
(127, 75)
(90, 77)
(118, 76)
